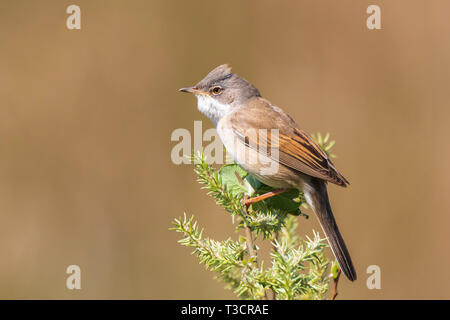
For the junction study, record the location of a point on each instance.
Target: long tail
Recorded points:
(317, 198)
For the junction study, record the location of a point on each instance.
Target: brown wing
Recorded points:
(295, 147)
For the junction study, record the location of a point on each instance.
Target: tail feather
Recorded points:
(317, 198)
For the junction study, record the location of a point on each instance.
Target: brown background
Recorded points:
(86, 118)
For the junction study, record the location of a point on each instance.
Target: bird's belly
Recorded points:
(275, 181)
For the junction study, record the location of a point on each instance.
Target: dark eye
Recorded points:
(216, 90)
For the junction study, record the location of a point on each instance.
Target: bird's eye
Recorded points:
(216, 90)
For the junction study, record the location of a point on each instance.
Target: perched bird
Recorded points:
(249, 126)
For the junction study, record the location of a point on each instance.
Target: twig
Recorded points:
(250, 244)
(273, 295)
(248, 234)
(335, 285)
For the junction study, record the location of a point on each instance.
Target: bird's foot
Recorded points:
(249, 201)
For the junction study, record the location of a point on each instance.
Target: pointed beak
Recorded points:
(188, 89)
(193, 90)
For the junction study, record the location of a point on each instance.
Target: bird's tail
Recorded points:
(317, 198)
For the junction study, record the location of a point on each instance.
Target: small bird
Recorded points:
(238, 111)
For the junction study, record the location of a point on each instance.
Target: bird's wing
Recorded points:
(296, 149)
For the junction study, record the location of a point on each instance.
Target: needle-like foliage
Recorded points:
(298, 268)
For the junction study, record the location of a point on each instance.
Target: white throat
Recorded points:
(212, 108)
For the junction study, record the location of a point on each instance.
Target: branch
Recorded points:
(298, 268)
(248, 234)
(335, 285)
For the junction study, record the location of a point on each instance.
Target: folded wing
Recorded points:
(296, 149)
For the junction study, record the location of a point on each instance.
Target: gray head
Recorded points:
(221, 92)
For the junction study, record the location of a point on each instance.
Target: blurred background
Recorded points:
(86, 117)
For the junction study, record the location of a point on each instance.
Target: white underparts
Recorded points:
(212, 108)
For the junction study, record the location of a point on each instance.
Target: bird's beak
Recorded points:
(188, 89)
(193, 90)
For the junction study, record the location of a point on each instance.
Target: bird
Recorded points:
(248, 125)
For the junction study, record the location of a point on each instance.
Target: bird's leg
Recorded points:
(248, 201)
